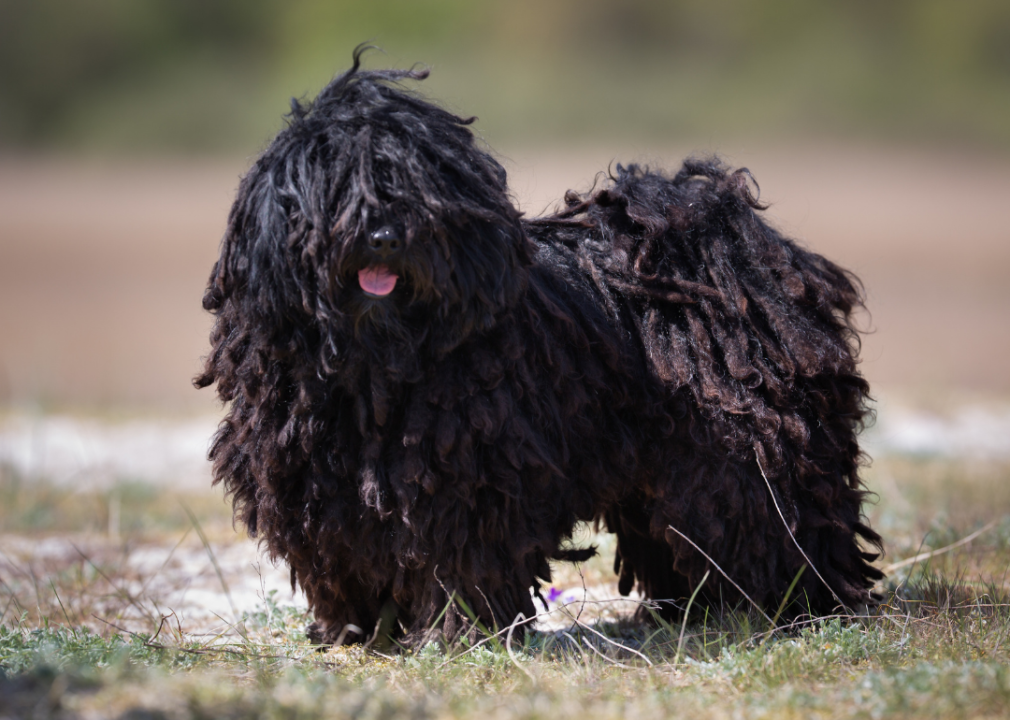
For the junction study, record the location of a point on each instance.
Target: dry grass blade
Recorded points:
(508, 647)
(792, 537)
(789, 592)
(933, 553)
(538, 616)
(490, 638)
(166, 561)
(210, 650)
(123, 593)
(583, 626)
(66, 616)
(585, 641)
(344, 631)
(687, 613)
(731, 581)
(213, 560)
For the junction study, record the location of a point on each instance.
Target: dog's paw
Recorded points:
(325, 635)
(314, 633)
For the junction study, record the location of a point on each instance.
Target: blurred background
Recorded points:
(880, 133)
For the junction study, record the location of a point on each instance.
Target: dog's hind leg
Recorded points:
(790, 536)
(643, 559)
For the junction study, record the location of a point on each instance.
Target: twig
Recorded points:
(433, 631)
(933, 553)
(585, 594)
(476, 623)
(161, 625)
(792, 537)
(723, 572)
(375, 633)
(448, 604)
(160, 646)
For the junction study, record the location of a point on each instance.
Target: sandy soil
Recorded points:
(102, 264)
(178, 579)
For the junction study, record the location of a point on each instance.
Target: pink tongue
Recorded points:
(377, 280)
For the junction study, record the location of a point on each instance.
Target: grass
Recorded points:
(93, 633)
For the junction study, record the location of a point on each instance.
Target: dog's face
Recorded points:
(405, 260)
(376, 222)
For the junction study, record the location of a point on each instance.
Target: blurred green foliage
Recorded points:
(203, 75)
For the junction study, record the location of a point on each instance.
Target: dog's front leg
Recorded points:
(347, 612)
(471, 607)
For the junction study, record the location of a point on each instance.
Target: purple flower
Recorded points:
(553, 594)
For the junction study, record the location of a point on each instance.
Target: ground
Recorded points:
(131, 602)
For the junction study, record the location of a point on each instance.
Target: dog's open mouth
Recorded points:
(377, 280)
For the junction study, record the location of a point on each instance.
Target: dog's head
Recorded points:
(375, 220)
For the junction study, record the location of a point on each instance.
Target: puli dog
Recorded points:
(428, 392)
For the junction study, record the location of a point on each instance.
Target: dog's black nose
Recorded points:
(385, 242)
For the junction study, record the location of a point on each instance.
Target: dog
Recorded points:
(427, 392)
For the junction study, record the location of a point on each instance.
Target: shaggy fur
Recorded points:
(640, 359)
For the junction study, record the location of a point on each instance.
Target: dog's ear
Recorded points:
(503, 276)
(242, 290)
(256, 256)
(489, 270)
(490, 251)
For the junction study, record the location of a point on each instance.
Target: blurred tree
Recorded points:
(207, 74)
(58, 56)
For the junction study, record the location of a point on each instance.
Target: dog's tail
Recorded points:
(575, 555)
